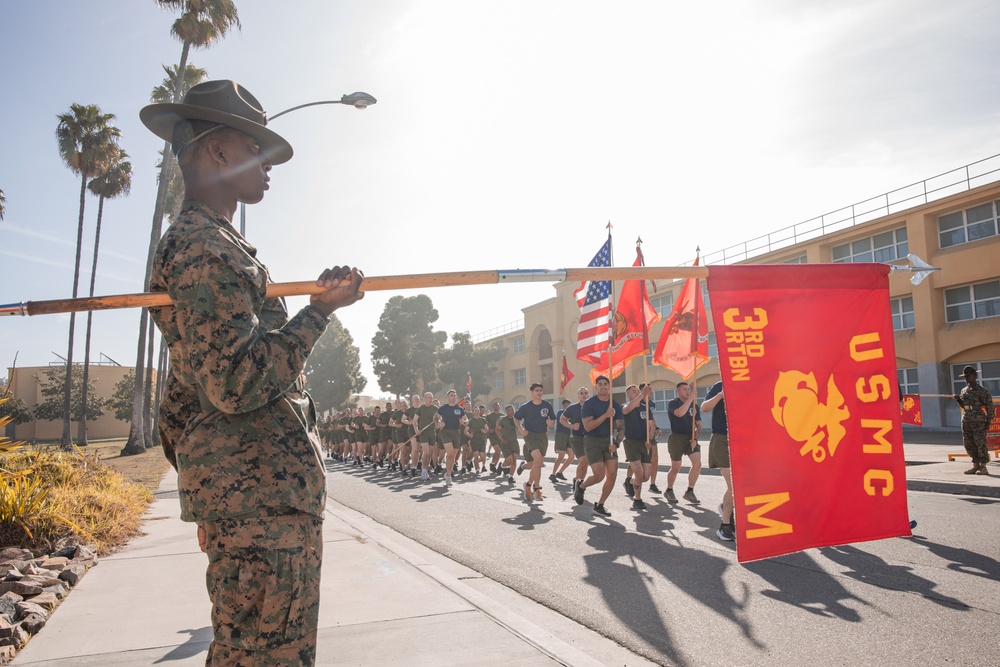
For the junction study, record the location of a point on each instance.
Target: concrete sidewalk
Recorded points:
(385, 600)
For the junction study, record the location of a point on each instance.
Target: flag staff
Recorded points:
(611, 336)
(408, 281)
(694, 350)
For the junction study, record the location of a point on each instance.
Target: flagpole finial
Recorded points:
(609, 226)
(638, 241)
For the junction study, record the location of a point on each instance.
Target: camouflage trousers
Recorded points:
(974, 437)
(263, 579)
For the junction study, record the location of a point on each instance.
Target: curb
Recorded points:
(953, 488)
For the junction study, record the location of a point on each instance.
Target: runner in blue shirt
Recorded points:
(453, 416)
(533, 420)
(564, 453)
(599, 412)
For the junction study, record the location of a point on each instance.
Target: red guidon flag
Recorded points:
(808, 369)
(909, 409)
(632, 319)
(683, 346)
(565, 376)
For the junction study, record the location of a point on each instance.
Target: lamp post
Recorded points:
(356, 100)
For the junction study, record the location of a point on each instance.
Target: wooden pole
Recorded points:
(375, 284)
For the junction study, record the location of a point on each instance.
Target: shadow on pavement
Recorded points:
(197, 643)
(963, 560)
(614, 570)
(800, 582)
(528, 519)
(872, 569)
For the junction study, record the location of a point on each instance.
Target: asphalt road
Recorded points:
(662, 584)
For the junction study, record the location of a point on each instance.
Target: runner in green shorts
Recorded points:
(534, 419)
(564, 453)
(507, 432)
(599, 413)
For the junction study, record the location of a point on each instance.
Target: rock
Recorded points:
(59, 590)
(15, 553)
(27, 590)
(43, 580)
(8, 606)
(15, 636)
(71, 575)
(45, 599)
(54, 563)
(84, 552)
(14, 575)
(7, 654)
(33, 623)
(27, 607)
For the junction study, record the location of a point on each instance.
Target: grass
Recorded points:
(92, 494)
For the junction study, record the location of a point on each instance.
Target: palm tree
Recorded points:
(165, 93)
(86, 140)
(201, 23)
(116, 181)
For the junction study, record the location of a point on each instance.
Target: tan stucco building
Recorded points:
(24, 385)
(950, 320)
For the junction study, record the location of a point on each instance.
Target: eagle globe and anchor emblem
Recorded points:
(807, 420)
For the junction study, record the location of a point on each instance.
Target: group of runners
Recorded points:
(423, 437)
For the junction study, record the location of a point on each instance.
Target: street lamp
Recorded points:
(357, 100)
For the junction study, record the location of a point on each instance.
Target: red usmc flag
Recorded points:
(809, 376)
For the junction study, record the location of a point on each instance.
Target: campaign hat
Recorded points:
(225, 102)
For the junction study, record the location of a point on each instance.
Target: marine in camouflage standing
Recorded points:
(977, 413)
(236, 422)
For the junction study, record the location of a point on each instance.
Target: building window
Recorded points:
(517, 345)
(907, 378)
(498, 380)
(972, 224)
(713, 345)
(972, 302)
(663, 303)
(704, 296)
(902, 313)
(520, 376)
(801, 259)
(882, 247)
(989, 375)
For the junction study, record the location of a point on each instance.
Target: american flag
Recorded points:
(594, 299)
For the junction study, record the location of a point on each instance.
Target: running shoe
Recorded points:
(629, 489)
(424, 474)
(913, 524)
(510, 480)
(726, 533)
(493, 467)
(669, 495)
(690, 497)
(637, 504)
(552, 478)
(520, 468)
(561, 477)
(448, 481)
(538, 493)
(527, 491)
(599, 509)
(578, 494)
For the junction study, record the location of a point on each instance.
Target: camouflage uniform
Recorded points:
(977, 413)
(240, 430)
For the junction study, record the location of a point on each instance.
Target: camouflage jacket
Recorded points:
(977, 404)
(235, 420)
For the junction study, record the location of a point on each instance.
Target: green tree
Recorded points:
(86, 140)
(462, 359)
(116, 181)
(15, 410)
(333, 369)
(201, 23)
(120, 402)
(50, 384)
(405, 347)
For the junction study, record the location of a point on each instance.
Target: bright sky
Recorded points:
(507, 134)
